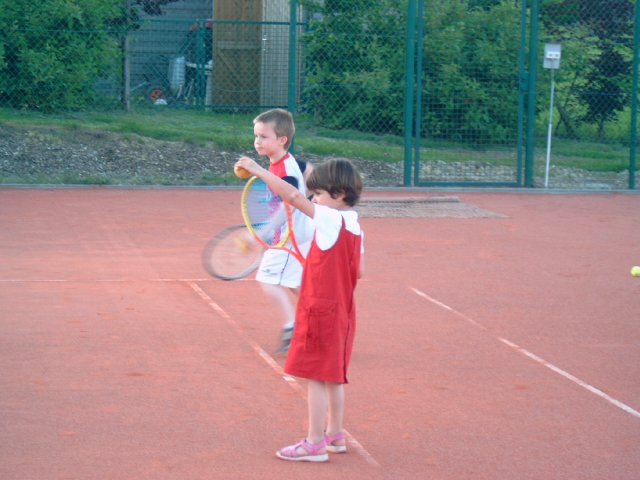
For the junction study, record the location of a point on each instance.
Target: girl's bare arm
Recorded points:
(287, 192)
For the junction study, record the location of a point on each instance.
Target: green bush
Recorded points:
(471, 64)
(52, 51)
(355, 67)
(593, 84)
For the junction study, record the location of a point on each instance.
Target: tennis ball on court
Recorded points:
(635, 271)
(241, 172)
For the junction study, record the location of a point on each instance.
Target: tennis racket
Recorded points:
(232, 254)
(268, 218)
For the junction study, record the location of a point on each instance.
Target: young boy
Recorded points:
(326, 314)
(279, 272)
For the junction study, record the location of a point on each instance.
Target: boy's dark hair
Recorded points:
(336, 177)
(282, 123)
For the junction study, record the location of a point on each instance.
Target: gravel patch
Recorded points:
(52, 155)
(422, 207)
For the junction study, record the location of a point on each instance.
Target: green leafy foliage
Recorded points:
(153, 7)
(52, 51)
(595, 79)
(355, 77)
(471, 60)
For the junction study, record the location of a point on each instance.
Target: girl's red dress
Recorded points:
(326, 313)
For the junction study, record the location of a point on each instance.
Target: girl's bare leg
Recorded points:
(335, 396)
(317, 404)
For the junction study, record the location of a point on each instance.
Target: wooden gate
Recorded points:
(237, 50)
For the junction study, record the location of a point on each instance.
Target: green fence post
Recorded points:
(293, 26)
(523, 82)
(418, 114)
(291, 85)
(633, 134)
(531, 104)
(200, 64)
(126, 59)
(409, 71)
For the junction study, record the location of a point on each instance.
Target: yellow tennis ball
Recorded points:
(635, 271)
(241, 172)
(243, 245)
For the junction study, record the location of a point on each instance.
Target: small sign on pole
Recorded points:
(552, 54)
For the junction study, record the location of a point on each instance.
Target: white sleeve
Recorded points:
(327, 223)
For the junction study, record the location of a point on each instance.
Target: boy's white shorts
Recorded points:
(279, 267)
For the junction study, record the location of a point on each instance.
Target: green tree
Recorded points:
(597, 55)
(52, 51)
(153, 7)
(604, 93)
(355, 54)
(354, 63)
(471, 65)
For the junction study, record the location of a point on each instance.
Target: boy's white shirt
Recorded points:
(328, 222)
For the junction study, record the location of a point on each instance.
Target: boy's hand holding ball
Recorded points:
(241, 172)
(243, 167)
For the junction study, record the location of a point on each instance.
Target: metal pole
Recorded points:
(546, 172)
(522, 89)
(291, 86)
(418, 115)
(409, 70)
(633, 134)
(531, 103)
(200, 64)
(126, 60)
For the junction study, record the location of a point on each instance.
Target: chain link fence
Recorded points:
(469, 116)
(354, 75)
(51, 60)
(591, 91)
(446, 84)
(593, 83)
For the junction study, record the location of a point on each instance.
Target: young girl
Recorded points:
(326, 315)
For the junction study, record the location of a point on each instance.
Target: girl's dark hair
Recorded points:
(336, 177)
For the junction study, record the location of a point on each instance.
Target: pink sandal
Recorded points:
(311, 452)
(329, 439)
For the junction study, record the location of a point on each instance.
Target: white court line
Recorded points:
(100, 280)
(18, 280)
(590, 388)
(273, 364)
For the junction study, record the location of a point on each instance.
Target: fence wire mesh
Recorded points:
(354, 64)
(347, 72)
(594, 82)
(470, 93)
(592, 86)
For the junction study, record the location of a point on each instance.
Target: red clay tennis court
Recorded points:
(498, 338)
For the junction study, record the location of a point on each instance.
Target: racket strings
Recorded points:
(232, 254)
(266, 214)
